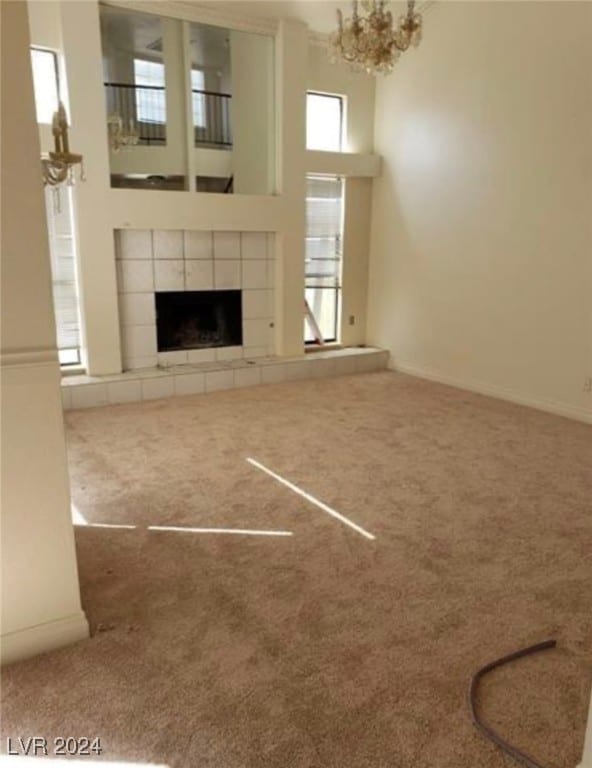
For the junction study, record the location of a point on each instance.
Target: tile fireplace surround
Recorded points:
(150, 261)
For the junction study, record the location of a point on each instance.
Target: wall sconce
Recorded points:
(58, 166)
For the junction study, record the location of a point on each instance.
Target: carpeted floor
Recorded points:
(323, 649)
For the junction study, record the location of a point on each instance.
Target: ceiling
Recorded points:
(320, 15)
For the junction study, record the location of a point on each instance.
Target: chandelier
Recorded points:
(370, 43)
(120, 137)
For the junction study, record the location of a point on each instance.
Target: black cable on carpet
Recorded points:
(480, 725)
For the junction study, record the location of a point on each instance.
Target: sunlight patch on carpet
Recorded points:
(321, 505)
(238, 531)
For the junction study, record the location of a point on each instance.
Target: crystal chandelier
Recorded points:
(119, 137)
(369, 43)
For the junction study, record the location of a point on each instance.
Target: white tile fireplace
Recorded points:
(158, 261)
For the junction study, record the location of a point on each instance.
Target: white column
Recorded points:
(173, 56)
(96, 247)
(252, 113)
(291, 68)
(39, 593)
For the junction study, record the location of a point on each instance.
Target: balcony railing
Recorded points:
(211, 118)
(144, 108)
(140, 106)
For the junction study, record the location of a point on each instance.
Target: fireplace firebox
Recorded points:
(198, 319)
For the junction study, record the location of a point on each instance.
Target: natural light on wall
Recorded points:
(45, 81)
(324, 122)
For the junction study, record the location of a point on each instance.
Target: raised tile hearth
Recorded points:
(191, 379)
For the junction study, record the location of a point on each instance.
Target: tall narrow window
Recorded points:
(150, 91)
(323, 257)
(324, 122)
(60, 226)
(60, 221)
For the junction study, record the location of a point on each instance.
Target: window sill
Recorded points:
(72, 370)
(311, 349)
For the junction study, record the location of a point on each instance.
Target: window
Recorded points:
(60, 226)
(198, 86)
(323, 257)
(45, 83)
(150, 91)
(60, 220)
(324, 122)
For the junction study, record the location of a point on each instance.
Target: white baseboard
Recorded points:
(30, 641)
(587, 756)
(559, 409)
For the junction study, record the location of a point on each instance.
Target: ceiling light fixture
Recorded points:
(371, 43)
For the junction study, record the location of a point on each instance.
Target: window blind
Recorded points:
(63, 268)
(324, 214)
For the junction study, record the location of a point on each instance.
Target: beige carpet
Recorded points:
(323, 648)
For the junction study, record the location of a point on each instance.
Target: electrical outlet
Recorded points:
(588, 384)
(352, 319)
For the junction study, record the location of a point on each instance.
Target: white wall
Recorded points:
(39, 592)
(481, 258)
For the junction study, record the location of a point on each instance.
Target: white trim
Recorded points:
(20, 358)
(353, 164)
(30, 641)
(587, 753)
(549, 406)
(186, 11)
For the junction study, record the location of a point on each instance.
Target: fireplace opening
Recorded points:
(198, 319)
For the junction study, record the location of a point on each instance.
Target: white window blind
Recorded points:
(324, 214)
(323, 252)
(64, 280)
